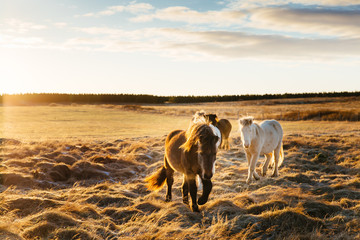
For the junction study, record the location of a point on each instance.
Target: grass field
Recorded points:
(82, 123)
(76, 172)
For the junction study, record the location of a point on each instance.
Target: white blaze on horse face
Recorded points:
(246, 133)
(207, 164)
(217, 133)
(213, 169)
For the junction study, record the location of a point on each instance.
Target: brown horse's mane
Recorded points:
(197, 133)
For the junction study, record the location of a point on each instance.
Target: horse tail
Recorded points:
(156, 180)
(281, 157)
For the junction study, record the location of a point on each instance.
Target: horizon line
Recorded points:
(155, 95)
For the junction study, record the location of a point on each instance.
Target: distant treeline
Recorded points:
(47, 98)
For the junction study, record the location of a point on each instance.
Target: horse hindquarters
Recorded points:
(225, 127)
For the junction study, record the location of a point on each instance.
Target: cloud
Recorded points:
(179, 43)
(184, 14)
(336, 23)
(241, 4)
(13, 25)
(15, 33)
(305, 33)
(60, 24)
(10, 41)
(131, 8)
(239, 45)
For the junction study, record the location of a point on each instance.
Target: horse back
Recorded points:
(272, 129)
(174, 154)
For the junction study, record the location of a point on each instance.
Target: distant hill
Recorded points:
(48, 98)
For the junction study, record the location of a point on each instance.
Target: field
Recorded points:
(77, 172)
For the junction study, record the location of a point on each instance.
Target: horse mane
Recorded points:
(246, 121)
(199, 113)
(198, 132)
(202, 117)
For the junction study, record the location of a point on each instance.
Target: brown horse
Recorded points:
(192, 153)
(224, 126)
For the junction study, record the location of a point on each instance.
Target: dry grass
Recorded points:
(85, 122)
(95, 189)
(328, 109)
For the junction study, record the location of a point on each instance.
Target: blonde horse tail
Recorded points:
(156, 180)
(281, 157)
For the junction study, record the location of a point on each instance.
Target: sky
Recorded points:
(197, 47)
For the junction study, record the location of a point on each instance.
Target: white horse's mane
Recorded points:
(199, 117)
(246, 121)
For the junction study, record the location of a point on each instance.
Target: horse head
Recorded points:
(212, 118)
(204, 140)
(207, 154)
(246, 130)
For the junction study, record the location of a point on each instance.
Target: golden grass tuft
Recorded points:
(39, 230)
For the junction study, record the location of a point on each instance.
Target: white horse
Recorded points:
(262, 139)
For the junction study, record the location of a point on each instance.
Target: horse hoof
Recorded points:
(202, 200)
(195, 208)
(275, 175)
(248, 181)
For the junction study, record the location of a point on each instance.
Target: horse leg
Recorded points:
(185, 191)
(256, 175)
(266, 163)
(193, 193)
(169, 179)
(251, 170)
(226, 144)
(169, 182)
(248, 158)
(276, 162)
(207, 186)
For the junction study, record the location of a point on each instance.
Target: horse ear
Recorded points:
(241, 121)
(246, 121)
